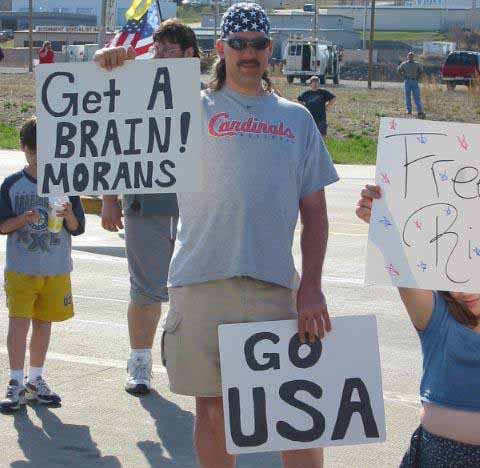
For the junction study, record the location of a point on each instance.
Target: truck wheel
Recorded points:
(303, 79)
(322, 79)
(335, 80)
(450, 86)
(289, 79)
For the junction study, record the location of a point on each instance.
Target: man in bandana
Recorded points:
(264, 161)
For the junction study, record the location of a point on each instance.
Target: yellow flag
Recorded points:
(137, 9)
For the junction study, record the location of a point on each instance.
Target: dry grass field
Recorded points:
(353, 122)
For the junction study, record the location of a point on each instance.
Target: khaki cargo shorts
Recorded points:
(190, 338)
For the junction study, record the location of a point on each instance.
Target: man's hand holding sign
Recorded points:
(309, 395)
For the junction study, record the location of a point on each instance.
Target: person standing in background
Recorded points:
(411, 72)
(46, 54)
(318, 101)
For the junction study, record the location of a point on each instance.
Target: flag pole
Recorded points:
(159, 11)
(102, 29)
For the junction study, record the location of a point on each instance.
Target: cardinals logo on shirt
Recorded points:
(220, 125)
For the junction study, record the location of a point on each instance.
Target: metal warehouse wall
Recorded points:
(408, 19)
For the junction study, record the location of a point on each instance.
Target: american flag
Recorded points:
(138, 34)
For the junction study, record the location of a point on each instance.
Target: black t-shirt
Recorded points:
(315, 102)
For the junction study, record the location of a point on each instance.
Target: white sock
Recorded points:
(141, 353)
(17, 374)
(33, 373)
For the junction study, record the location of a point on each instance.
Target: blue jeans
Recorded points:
(411, 86)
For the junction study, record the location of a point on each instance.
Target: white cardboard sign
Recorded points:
(133, 130)
(425, 230)
(281, 395)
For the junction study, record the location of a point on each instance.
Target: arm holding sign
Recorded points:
(110, 58)
(312, 309)
(418, 302)
(111, 213)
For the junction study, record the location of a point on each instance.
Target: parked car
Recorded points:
(460, 68)
(309, 7)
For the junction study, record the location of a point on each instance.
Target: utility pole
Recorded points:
(370, 45)
(315, 36)
(103, 20)
(364, 36)
(159, 11)
(216, 23)
(30, 36)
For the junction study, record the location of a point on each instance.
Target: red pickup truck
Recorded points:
(460, 67)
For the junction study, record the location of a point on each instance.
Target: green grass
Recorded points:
(8, 137)
(355, 149)
(189, 14)
(407, 36)
(7, 44)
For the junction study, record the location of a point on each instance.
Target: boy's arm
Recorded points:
(9, 220)
(17, 222)
(74, 217)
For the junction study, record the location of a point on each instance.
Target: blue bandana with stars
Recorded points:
(243, 17)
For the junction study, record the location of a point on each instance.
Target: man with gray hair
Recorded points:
(411, 72)
(264, 161)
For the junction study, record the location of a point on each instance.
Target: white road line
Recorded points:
(337, 279)
(349, 234)
(101, 298)
(97, 322)
(412, 401)
(91, 361)
(74, 321)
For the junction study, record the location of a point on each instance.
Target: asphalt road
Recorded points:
(100, 425)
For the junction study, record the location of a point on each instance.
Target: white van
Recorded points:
(304, 58)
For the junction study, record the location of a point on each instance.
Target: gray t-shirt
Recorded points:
(260, 156)
(33, 250)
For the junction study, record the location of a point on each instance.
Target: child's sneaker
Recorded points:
(14, 398)
(39, 391)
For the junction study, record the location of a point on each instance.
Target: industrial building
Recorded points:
(338, 29)
(411, 19)
(84, 7)
(59, 38)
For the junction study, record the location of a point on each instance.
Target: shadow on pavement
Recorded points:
(175, 431)
(110, 251)
(56, 444)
